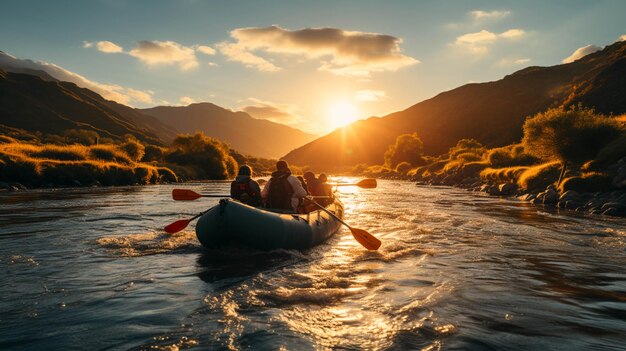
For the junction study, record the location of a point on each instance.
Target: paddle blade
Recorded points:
(366, 239)
(185, 195)
(369, 183)
(177, 226)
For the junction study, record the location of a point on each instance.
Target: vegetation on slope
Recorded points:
(36, 160)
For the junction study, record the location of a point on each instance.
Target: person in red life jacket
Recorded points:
(283, 190)
(245, 189)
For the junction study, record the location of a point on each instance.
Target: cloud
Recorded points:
(165, 53)
(207, 50)
(370, 95)
(275, 112)
(480, 15)
(581, 52)
(108, 47)
(622, 38)
(340, 52)
(234, 52)
(113, 92)
(479, 42)
(87, 44)
(186, 100)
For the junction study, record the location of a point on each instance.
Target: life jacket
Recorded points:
(241, 190)
(315, 187)
(280, 191)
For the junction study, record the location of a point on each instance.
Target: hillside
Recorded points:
(244, 133)
(41, 103)
(492, 112)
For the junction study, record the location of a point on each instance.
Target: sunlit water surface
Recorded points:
(90, 269)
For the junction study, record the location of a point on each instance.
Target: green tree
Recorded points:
(571, 136)
(408, 148)
(208, 154)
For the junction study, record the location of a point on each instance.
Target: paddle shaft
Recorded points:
(330, 213)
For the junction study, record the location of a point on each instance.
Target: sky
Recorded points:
(313, 65)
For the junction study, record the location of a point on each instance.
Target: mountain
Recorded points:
(35, 101)
(244, 133)
(492, 113)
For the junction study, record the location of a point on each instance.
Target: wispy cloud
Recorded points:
(118, 93)
(108, 47)
(239, 53)
(481, 15)
(581, 52)
(157, 52)
(340, 52)
(479, 42)
(370, 95)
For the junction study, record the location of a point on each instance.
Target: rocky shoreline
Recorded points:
(611, 203)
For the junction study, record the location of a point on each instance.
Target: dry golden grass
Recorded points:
(539, 176)
(503, 175)
(39, 165)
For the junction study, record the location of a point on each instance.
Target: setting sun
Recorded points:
(341, 114)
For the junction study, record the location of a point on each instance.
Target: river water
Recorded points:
(90, 269)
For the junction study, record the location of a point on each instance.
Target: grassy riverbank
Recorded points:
(571, 158)
(48, 165)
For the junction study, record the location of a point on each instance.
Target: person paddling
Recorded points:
(283, 190)
(245, 189)
(313, 184)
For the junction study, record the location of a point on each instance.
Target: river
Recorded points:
(89, 269)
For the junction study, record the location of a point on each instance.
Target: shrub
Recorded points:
(466, 147)
(571, 135)
(403, 167)
(134, 149)
(61, 153)
(153, 153)
(167, 175)
(81, 136)
(503, 175)
(115, 174)
(359, 169)
(210, 155)
(407, 148)
(613, 151)
(587, 182)
(511, 155)
(539, 177)
(108, 153)
(23, 170)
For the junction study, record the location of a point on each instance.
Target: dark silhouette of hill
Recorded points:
(244, 133)
(492, 112)
(38, 102)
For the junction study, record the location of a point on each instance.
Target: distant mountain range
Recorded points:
(41, 103)
(33, 99)
(248, 135)
(492, 113)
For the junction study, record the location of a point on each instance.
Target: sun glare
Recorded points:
(341, 114)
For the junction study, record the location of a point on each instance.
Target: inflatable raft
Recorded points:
(233, 222)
